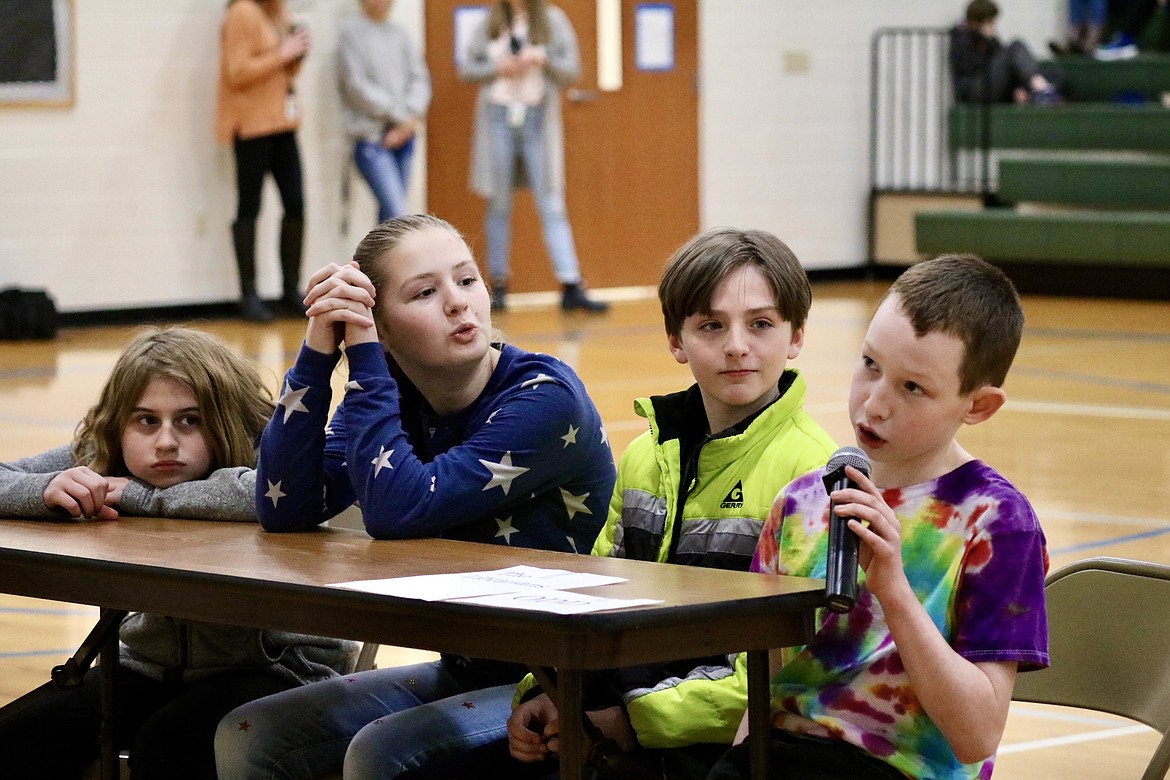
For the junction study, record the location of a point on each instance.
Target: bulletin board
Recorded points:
(36, 53)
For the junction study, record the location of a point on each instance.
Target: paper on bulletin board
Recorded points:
(468, 19)
(654, 36)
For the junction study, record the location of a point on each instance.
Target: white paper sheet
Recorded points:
(445, 587)
(558, 601)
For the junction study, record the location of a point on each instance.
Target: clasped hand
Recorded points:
(533, 730)
(82, 492)
(340, 305)
(514, 65)
(293, 46)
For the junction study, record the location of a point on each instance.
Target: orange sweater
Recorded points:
(253, 83)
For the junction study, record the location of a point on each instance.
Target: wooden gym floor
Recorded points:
(1085, 435)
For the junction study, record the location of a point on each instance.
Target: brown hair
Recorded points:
(698, 266)
(981, 11)
(500, 20)
(966, 297)
(233, 401)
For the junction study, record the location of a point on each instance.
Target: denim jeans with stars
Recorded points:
(371, 724)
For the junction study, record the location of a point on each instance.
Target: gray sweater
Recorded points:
(562, 69)
(382, 78)
(165, 648)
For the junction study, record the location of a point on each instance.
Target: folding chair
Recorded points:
(1109, 641)
(366, 660)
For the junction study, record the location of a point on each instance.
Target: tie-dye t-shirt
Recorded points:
(975, 556)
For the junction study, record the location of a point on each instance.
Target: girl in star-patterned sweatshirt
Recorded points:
(441, 433)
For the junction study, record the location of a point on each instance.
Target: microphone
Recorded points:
(841, 566)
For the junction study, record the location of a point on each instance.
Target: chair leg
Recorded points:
(1160, 763)
(366, 657)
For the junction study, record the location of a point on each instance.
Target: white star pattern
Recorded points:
(502, 473)
(539, 379)
(506, 529)
(382, 461)
(291, 400)
(432, 484)
(274, 492)
(571, 436)
(572, 543)
(491, 417)
(604, 436)
(575, 505)
(353, 385)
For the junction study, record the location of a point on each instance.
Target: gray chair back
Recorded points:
(1109, 642)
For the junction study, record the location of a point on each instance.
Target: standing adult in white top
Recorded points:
(385, 92)
(524, 52)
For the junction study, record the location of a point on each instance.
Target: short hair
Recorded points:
(981, 11)
(234, 403)
(964, 296)
(697, 267)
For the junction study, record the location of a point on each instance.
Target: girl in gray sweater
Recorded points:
(173, 434)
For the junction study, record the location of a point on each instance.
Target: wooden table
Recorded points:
(236, 573)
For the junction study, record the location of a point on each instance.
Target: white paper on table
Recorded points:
(445, 587)
(560, 602)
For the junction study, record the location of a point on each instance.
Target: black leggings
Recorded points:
(795, 757)
(492, 761)
(169, 728)
(255, 157)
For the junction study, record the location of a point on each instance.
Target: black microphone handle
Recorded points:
(841, 564)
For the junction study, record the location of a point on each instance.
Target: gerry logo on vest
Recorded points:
(734, 497)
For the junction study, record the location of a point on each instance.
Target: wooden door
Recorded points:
(631, 155)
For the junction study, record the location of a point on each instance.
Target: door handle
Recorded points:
(582, 95)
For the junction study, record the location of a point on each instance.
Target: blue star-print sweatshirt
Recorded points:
(527, 463)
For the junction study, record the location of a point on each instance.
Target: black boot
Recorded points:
(292, 235)
(244, 241)
(573, 297)
(499, 296)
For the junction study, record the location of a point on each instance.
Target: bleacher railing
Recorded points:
(910, 110)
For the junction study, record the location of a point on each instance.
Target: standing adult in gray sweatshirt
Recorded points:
(385, 91)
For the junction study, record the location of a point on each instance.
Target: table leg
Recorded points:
(564, 687)
(759, 712)
(569, 713)
(107, 664)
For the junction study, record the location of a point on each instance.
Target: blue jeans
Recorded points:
(526, 144)
(387, 171)
(374, 724)
(1086, 12)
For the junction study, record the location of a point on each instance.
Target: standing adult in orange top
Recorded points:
(261, 52)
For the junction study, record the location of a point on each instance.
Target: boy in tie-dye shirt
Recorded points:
(914, 681)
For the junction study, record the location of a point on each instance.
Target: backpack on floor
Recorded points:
(27, 314)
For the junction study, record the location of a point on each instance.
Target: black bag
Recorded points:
(27, 314)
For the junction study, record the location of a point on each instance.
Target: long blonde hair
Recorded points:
(538, 26)
(234, 402)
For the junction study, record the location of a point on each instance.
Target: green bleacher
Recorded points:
(1141, 184)
(1083, 186)
(1086, 126)
(1146, 77)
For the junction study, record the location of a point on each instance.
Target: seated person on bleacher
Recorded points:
(985, 70)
